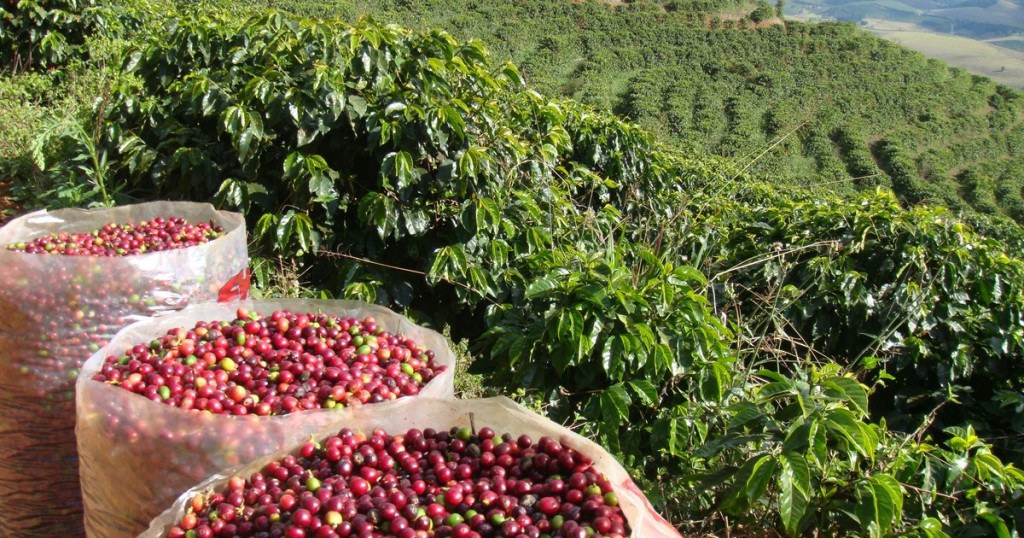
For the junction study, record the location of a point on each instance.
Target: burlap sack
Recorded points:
(137, 455)
(55, 311)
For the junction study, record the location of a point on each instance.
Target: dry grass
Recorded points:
(998, 63)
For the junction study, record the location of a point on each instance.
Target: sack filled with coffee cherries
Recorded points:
(71, 279)
(176, 398)
(423, 468)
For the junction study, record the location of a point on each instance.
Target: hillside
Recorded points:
(994, 58)
(980, 36)
(976, 19)
(838, 107)
(765, 359)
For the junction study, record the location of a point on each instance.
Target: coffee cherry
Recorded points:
(361, 492)
(249, 366)
(128, 239)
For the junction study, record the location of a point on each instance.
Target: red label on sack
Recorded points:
(236, 288)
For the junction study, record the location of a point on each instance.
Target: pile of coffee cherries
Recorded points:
(273, 365)
(157, 234)
(57, 311)
(428, 483)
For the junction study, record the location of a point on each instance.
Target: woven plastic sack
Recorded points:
(137, 455)
(55, 311)
(501, 414)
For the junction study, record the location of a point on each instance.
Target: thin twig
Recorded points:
(778, 254)
(936, 493)
(332, 254)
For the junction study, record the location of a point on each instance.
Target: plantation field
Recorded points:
(957, 33)
(981, 58)
(1002, 13)
(979, 19)
(1012, 43)
(607, 205)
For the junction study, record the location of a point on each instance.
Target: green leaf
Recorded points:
(714, 381)
(233, 192)
(449, 262)
(356, 106)
(267, 223)
(512, 73)
(794, 491)
(645, 390)
(686, 275)
(742, 413)
(848, 390)
(487, 215)
(880, 505)
(417, 221)
(751, 482)
(612, 354)
(378, 210)
(998, 525)
(322, 186)
(467, 164)
(569, 330)
(844, 423)
(932, 528)
(541, 286)
(798, 438)
(244, 144)
(304, 232)
(588, 340)
(615, 403)
(285, 229)
(453, 118)
(394, 107)
(404, 170)
(675, 432)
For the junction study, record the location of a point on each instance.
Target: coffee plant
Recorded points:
(747, 349)
(915, 299)
(44, 35)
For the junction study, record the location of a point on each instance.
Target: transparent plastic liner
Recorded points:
(501, 414)
(137, 455)
(56, 311)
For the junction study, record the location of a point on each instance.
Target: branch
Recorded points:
(332, 254)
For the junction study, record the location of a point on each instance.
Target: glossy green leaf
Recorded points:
(404, 170)
(845, 424)
(417, 221)
(285, 229)
(266, 225)
(645, 391)
(794, 491)
(931, 528)
(615, 402)
(996, 523)
(541, 286)
(714, 381)
(850, 391)
(880, 505)
(378, 210)
(751, 482)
